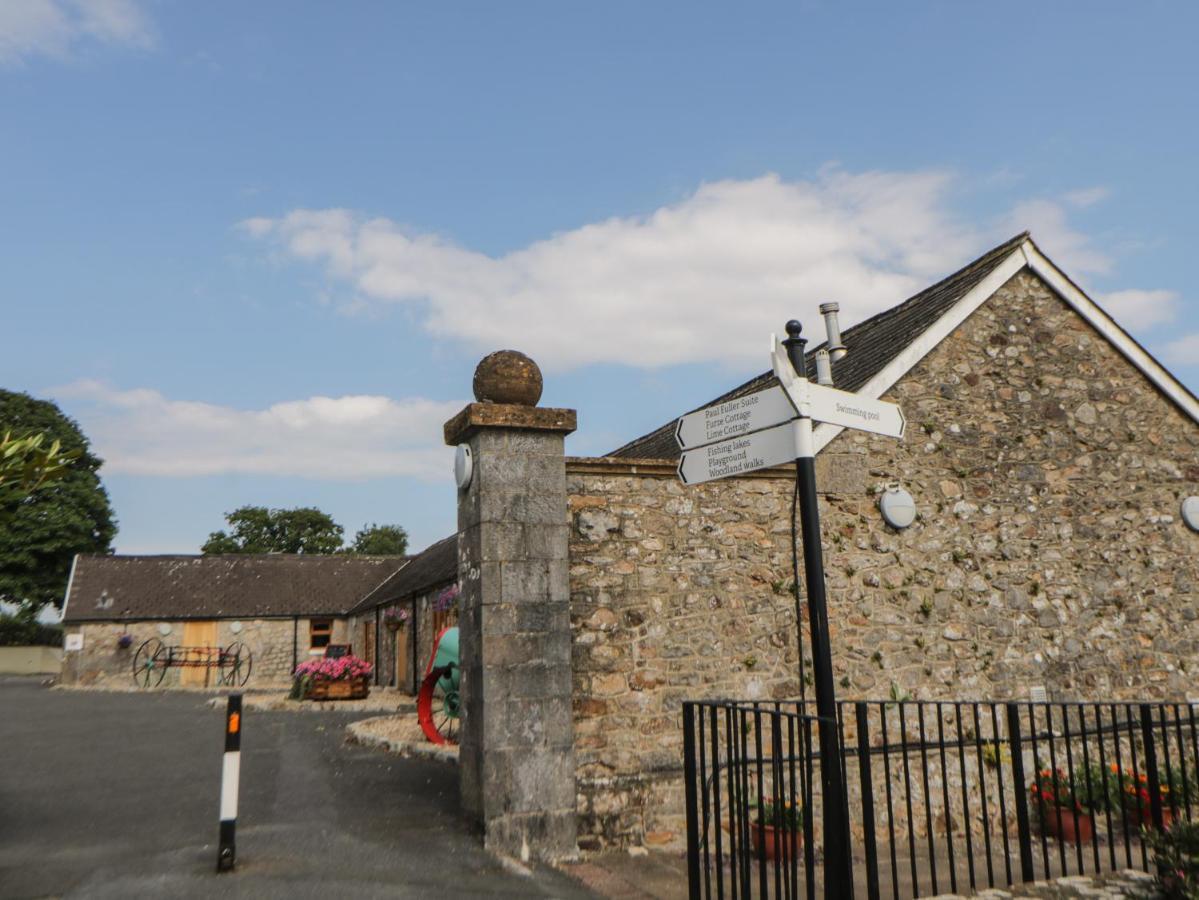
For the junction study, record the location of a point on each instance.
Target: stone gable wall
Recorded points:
(1048, 551)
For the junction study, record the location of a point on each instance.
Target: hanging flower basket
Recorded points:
(396, 617)
(124, 641)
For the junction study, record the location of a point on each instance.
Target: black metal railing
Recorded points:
(941, 797)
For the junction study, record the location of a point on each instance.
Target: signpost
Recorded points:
(759, 450)
(767, 429)
(734, 418)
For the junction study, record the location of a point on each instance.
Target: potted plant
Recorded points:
(773, 828)
(124, 641)
(1133, 791)
(396, 617)
(1066, 803)
(344, 678)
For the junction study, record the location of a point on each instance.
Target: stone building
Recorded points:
(422, 592)
(1048, 455)
(283, 608)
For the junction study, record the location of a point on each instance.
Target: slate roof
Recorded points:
(433, 567)
(872, 344)
(242, 586)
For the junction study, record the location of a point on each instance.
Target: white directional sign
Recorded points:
(734, 418)
(827, 404)
(760, 450)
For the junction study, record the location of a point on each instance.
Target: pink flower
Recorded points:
(345, 667)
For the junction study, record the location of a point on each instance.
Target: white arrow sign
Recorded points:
(827, 404)
(734, 418)
(761, 450)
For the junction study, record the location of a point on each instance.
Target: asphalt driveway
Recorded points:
(116, 795)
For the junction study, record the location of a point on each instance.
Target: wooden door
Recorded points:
(200, 640)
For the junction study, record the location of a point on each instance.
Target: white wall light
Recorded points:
(1190, 512)
(897, 506)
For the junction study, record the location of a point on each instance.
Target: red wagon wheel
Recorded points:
(150, 663)
(437, 706)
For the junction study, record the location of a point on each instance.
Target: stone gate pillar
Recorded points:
(516, 763)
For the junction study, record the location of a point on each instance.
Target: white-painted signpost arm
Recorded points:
(734, 418)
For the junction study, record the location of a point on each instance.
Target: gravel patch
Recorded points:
(400, 734)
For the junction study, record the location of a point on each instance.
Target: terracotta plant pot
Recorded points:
(1144, 816)
(777, 841)
(1070, 826)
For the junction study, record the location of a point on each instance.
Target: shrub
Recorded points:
(24, 630)
(1176, 857)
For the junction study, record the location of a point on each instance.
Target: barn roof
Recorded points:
(437, 565)
(242, 586)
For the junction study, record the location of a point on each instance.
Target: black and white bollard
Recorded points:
(230, 776)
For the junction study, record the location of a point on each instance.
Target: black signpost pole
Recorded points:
(837, 869)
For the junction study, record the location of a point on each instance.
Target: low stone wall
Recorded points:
(30, 660)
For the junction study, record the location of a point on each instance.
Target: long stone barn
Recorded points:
(1048, 454)
(282, 608)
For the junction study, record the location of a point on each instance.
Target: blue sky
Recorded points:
(257, 249)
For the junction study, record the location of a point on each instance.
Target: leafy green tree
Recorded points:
(256, 529)
(42, 531)
(380, 540)
(27, 463)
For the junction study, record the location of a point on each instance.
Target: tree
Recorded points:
(256, 529)
(380, 540)
(42, 531)
(27, 463)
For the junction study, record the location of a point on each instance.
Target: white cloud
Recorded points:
(1184, 351)
(55, 28)
(701, 280)
(1138, 310)
(141, 432)
(1068, 247)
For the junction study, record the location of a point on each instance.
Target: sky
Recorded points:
(256, 250)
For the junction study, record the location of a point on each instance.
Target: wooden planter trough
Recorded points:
(342, 689)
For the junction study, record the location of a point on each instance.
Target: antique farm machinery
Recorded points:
(437, 704)
(153, 658)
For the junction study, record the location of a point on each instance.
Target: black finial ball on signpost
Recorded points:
(795, 345)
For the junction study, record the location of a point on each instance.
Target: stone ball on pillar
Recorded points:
(508, 376)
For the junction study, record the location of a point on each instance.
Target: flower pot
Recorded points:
(1143, 816)
(341, 689)
(776, 841)
(394, 625)
(1067, 825)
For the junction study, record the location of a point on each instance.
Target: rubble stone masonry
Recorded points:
(1048, 552)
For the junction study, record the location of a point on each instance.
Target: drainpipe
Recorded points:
(295, 641)
(378, 646)
(415, 645)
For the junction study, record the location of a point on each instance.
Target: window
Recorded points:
(320, 632)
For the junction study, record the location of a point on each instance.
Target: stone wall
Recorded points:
(270, 642)
(1048, 552)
